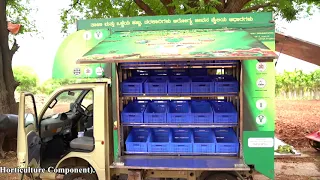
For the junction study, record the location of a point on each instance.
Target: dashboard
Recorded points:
(57, 124)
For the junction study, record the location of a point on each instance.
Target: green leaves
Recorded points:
(27, 78)
(92, 9)
(18, 12)
(297, 81)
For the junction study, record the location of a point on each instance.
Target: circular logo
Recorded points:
(261, 66)
(87, 71)
(76, 71)
(87, 35)
(261, 83)
(261, 104)
(98, 35)
(99, 71)
(261, 120)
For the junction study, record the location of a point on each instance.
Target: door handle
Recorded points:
(33, 144)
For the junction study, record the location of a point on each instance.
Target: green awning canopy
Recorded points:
(178, 45)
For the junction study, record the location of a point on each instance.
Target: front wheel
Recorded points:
(221, 176)
(80, 177)
(315, 144)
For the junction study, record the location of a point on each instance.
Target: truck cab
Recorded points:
(61, 135)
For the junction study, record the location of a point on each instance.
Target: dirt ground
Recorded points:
(294, 119)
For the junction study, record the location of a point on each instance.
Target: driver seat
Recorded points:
(82, 143)
(85, 143)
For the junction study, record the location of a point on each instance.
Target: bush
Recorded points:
(52, 84)
(27, 78)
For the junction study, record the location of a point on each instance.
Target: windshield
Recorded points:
(62, 102)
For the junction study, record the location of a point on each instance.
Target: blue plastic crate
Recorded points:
(131, 63)
(178, 72)
(133, 85)
(156, 85)
(154, 63)
(226, 61)
(140, 72)
(156, 112)
(223, 131)
(179, 84)
(159, 72)
(225, 83)
(141, 101)
(224, 112)
(198, 72)
(201, 112)
(177, 62)
(204, 141)
(227, 141)
(160, 140)
(133, 112)
(137, 140)
(201, 84)
(178, 112)
(182, 140)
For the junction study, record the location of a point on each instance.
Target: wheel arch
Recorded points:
(76, 161)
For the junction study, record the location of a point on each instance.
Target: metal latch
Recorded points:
(118, 164)
(240, 166)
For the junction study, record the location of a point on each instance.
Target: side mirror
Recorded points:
(29, 119)
(70, 93)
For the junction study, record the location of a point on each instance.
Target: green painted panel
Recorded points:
(161, 45)
(259, 108)
(73, 47)
(194, 21)
(115, 145)
(115, 111)
(259, 151)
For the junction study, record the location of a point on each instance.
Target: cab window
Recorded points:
(62, 103)
(30, 113)
(88, 99)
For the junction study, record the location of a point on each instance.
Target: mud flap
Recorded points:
(134, 175)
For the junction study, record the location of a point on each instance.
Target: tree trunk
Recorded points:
(7, 81)
(302, 93)
(235, 6)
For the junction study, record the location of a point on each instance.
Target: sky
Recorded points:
(39, 51)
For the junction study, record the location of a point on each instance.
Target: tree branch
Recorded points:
(220, 7)
(193, 3)
(145, 7)
(73, 6)
(170, 9)
(235, 6)
(256, 7)
(14, 48)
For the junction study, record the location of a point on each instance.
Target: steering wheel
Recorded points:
(84, 112)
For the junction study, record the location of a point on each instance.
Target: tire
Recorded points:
(315, 145)
(80, 177)
(221, 176)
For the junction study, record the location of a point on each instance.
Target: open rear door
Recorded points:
(177, 45)
(29, 143)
